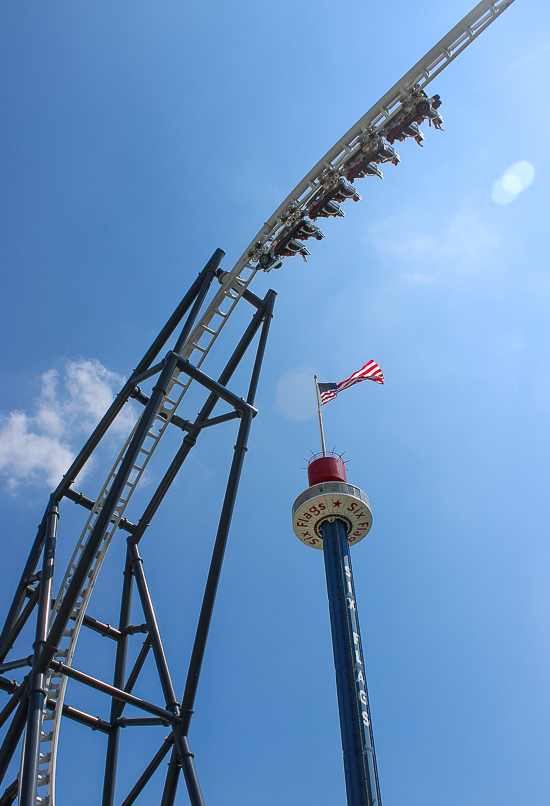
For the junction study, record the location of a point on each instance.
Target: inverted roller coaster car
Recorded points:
(411, 130)
(415, 111)
(375, 150)
(341, 191)
(303, 230)
(293, 247)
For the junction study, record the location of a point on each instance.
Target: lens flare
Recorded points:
(516, 178)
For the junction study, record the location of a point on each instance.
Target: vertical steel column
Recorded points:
(37, 691)
(357, 744)
(113, 741)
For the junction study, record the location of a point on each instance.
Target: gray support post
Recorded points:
(189, 773)
(137, 667)
(109, 781)
(21, 621)
(223, 532)
(10, 795)
(12, 737)
(37, 691)
(10, 706)
(149, 771)
(210, 273)
(19, 597)
(353, 706)
(154, 633)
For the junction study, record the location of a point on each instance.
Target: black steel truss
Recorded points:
(29, 699)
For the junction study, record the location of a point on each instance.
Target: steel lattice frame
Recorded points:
(40, 694)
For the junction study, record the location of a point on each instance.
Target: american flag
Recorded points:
(370, 372)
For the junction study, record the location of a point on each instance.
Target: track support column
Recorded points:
(37, 691)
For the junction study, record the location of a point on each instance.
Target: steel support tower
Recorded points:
(37, 702)
(332, 515)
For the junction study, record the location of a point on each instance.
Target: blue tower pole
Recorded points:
(332, 515)
(353, 703)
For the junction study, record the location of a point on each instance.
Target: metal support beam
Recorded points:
(13, 735)
(93, 722)
(213, 386)
(112, 691)
(111, 758)
(223, 418)
(21, 590)
(37, 686)
(10, 794)
(16, 664)
(87, 503)
(21, 621)
(10, 686)
(149, 771)
(138, 665)
(209, 275)
(11, 705)
(158, 650)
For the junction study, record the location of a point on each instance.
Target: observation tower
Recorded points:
(332, 515)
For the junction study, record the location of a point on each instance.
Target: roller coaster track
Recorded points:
(265, 251)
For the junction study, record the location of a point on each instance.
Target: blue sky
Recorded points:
(136, 138)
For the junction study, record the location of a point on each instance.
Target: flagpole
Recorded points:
(321, 429)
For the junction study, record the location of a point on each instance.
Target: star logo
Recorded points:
(336, 503)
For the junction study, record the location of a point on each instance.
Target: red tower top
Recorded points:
(326, 467)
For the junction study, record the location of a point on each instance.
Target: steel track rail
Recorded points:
(203, 336)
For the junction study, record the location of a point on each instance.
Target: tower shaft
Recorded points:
(353, 704)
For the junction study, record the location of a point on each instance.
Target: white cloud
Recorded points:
(516, 178)
(41, 446)
(425, 250)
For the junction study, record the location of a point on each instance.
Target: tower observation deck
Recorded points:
(332, 515)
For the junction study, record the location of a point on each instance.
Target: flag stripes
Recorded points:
(370, 372)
